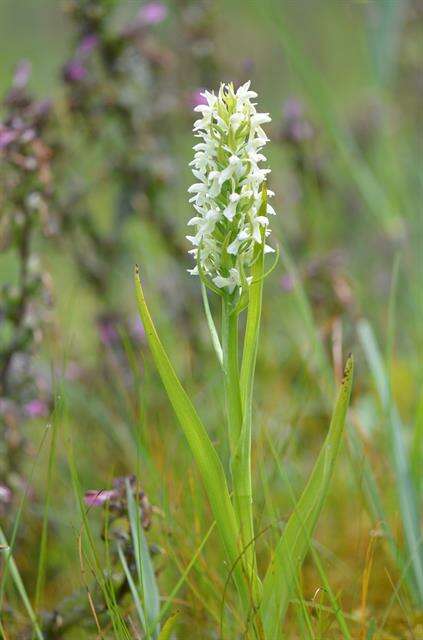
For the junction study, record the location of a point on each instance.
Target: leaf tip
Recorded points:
(348, 370)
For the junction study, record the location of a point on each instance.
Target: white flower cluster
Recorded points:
(227, 196)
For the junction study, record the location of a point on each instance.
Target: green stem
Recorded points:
(239, 434)
(248, 366)
(231, 373)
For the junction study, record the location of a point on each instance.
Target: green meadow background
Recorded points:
(349, 279)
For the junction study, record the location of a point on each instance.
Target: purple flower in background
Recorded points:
(138, 330)
(196, 98)
(94, 498)
(6, 136)
(293, 109)
(36, 408)
(87, 44)
(74, 71)
(287, 282)
(41, 109)
(248, 66)
(151, 13)
(5, 494)
(22, 73)
(73, 371)
(301, 131)
(107, 331)
(296, 127)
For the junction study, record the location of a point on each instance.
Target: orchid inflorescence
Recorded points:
(230, 196)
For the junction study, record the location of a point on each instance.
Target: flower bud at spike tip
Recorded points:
(228, 192)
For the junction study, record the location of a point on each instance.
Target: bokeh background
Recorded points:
(81, 403)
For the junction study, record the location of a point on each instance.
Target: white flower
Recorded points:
(227, 194)
(230, 211)
(230, 282)
(233, 248)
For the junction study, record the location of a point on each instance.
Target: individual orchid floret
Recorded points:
(228, 195)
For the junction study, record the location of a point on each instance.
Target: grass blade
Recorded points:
(406, 490)
(379, 203)
(185, 573)
(145, 569)
(42, 558)
(132, 587)
(385, 23)
(337, 611)
(16, 577)
(317, 360)
(294, 542)
(366, 480)
(417, 446)
(104, 582)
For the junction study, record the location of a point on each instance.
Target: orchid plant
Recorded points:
(230, 241)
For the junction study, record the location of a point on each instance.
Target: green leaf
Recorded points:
(294, 542)
(205, 454)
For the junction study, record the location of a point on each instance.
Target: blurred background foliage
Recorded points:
(343, 84)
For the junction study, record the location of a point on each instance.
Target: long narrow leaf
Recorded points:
(294, 542)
